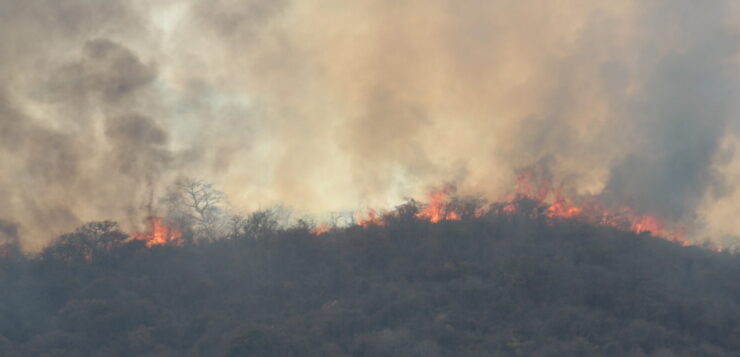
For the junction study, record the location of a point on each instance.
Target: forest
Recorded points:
(499, 284)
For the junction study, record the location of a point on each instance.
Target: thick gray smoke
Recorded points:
(334, 105)
(683, 111)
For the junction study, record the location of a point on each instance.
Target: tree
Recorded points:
(86, 244)
(197, 206)
(258, 224)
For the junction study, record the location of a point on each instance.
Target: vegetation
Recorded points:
(504, 284)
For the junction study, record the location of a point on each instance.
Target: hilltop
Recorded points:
(515, 284)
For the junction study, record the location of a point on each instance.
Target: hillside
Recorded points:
(501, 285)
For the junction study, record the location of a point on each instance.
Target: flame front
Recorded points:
(437, 208)
(322, 228)
(592, 211)
(159, 234)
(546, 196)
(369, 218)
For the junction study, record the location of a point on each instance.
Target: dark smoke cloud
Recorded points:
(682, 115)
(331, 105)
(107, 72)
(71, 129)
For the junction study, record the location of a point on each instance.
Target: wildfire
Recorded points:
(322, 228)
(437, 210)
(562, 208)
(542, 191)
(159, 234)
(369, 218)
(545, 196)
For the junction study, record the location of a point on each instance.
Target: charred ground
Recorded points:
(514, 284)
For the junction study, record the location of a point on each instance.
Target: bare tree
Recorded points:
(198, 206)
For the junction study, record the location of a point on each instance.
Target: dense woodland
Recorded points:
(503, 284)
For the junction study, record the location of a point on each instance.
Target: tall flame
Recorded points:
(437, 208)
(159, 234)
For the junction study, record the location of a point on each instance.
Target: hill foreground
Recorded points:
(498, 285)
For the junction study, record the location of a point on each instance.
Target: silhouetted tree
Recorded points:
(87, 244)
(198, 206)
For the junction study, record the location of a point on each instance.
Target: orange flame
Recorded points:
(320, 229)
(369, 218)
(555, 203)
(159, 234)
(437, 210)
(560, 207)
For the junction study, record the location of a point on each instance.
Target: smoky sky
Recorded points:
(335, 105)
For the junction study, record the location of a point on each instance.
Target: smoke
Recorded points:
(74, 144)
(683, 111)
(9, 234)
(333, 105)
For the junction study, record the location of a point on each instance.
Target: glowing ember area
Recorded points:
(437, 210)
(159, 234)
(625, 218)
(322, 228)
(562, 208)
(369, 218)
(558, 206)
(532, 193)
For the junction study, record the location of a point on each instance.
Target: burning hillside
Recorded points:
(514, 280)
(534, 194)
(592, 209)
(160, 233)
(369, 178)
(631, 106)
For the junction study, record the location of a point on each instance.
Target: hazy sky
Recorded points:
(333, 105)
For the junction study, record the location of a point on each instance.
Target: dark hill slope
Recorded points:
(499, 285)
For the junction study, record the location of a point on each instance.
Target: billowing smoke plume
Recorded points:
(334, 105)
